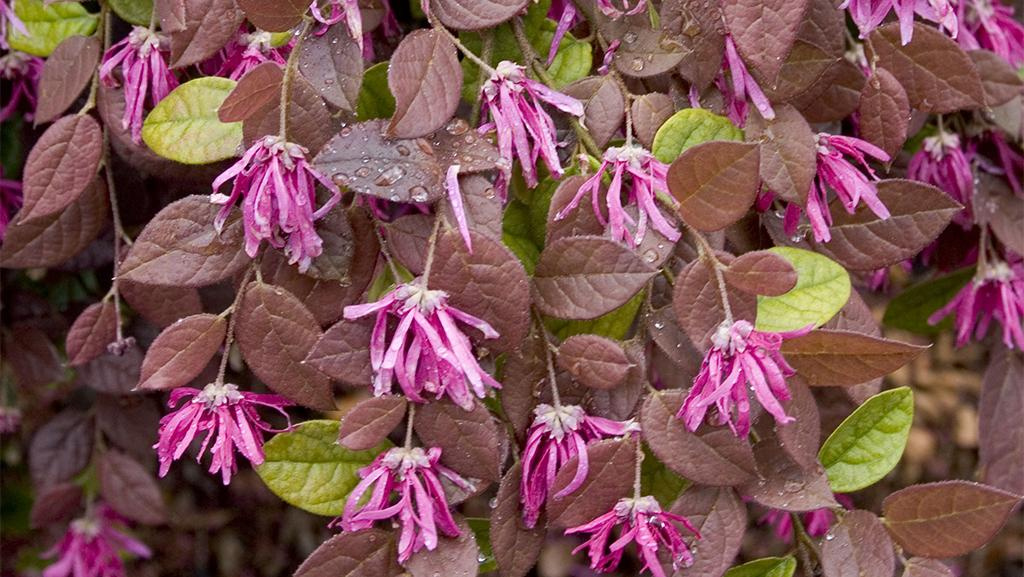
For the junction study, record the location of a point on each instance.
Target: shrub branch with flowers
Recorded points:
(604, 266)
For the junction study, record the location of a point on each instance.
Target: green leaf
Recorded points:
(659, 481)
(134, 11)
(868, 443)
(184, 126)
(48, 26)
(767, 567)
(482, 531)
(910, 309)
(822, 289)
(690, 127)
(516, 233)
(375, 98)
(614, 325)
(309, 469)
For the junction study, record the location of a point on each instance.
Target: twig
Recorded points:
(229, 338)
(286, 82)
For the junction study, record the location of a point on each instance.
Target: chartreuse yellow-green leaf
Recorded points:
(690, 127)
(869, 443)
(767, 567)
(309, 469)
(137, 12)
(48, 26)
(184, 126)
(822, 289)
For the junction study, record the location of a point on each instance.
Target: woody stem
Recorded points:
(549, 357)
(431, 246)
(436, 25)
(637, 470)
(387, 253)
(286, 82)
(229, 338)
(707, 254)
(409, 425)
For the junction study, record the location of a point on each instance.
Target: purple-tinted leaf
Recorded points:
(67, 71)
(489, 283)
(999, 80)
(469, 440)
(112, 374)
(839, 99)
(761, 273)
(333, 64)
(161, 305)
(275, 332)
(829, 358)
(255, 92)
(425, 77)
(784, 484)
(453, 557)
(32, 357)
(326, 299)
(700, 30)
(858, 546)
(697, 303)
(408, 238)
(55, 504)
(343, 353)
(371, 421)
(580, 221)
(800, 439)
(309, 122)
(180, 247)
(61, 166)
(367, 553)
(482, 206)
(764, 32)
(209, 25)
(620, 403)
(946, 519)
(711, 456)
(720, 517)
(604, 106)
(584, 277)
(525, 373)
(91, 332)
(515, 547)
(129, 422)
(457, 143)
(61, 448)
(475, 15)
(920, 567)
(862, 241)
(171, 14)
(649, 112)
(182, 351)
(643, 51)
(811, 64)
(937, 74)
(594, 361)
(609, 478)
(275, 15)
(884, 112)
(130, 489)
(998, 206)
(1001, 428)
(715, 183)
(788, 152)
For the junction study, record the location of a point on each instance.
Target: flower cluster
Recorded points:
(646, 175)
(642, 521)
(141, 57)
(10, 201)
(943, 163)
(93, 546)
(23, 72)
(427, 352)
(869, 14)
(609, 9)
(227, 416)
(336, 11)
(740, 358)
(9, 21)
(816, 522)
(558, 434)
(278, 187)
(247, 51)
(421, 507)
(992, 25)
(996, 292)
(739, 86)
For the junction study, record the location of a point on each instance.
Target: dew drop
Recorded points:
(629, 37)
(345, 131)
(493, 502)
(403, 150)
(829, 536)
(659, 325)
(419, 193)
(650, 255)
(457, 126)
(363, 171)
(390, 176)
(637, 64)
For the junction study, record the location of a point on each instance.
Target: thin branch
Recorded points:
(286, 82)
(229, 338)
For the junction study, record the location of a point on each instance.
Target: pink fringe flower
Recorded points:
(427, 352)
(523, 127)
(421, 508)
(557, 435)
(641, 520)
(9, 20)
(10, 201)
(943, 163)
(23, 72)
(93, 547)
(1010, 163)
(338, 10)
(141, 57)
(740, 86)
(278, 187)
(227, 415)
(740, 358)
(838, 174)
(247, 51)
(609, 9)
(996, 292)
(567, 16)
(816, 522)
(992, 25)
(869, 14)
(647, 178)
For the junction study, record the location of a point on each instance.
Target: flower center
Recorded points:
(143, 40)
(634, 155)
(215, 395)
(998, 271)
(413, 295)
(258, 40)
(403, 460)
(13, 65)
(627, 508)
(86, 527)
(559, 420)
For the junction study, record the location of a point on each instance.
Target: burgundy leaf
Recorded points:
(452, 558)
(182, 351)
(309, 123)
(255, 92)
(91, 332)
(332, 62)
(343, 353)
(761, 273)
(580, 221)
(584, 277)
(700, 31)
(649, 112)
(489, 283)
(839, 99)
(525, 373)
(326, 299)
(862, 241)
(209, 25)
(180, 247)
(948, 518)
(711, 456)
(884, 112)
(61, 448)
(112, 374)
(620, 402)
(67, 71)
(609, 478)
(61, 166)
(595, 361)
(829, 358)
(643, 51)
(788, 152)
(764, 32)
(171, 14)
(275, 15)
(715, 183)
(475, 15)
(55, 504)
(483, 208)
(130, 422)
(698, 303)
(457, 143)
(367, 553)
(275, 332)
(858, 546)
(920, 567)
(784, 484)
(32, 357)
(721, 518)
(999, 80)
(604, 106)
(1001, 430)
(371, 421)
(938, 75)
(425, 76)
(130, 489)
(811, 64)
(469, 440)
(161, 305)
(515, 547)
(998, 206)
